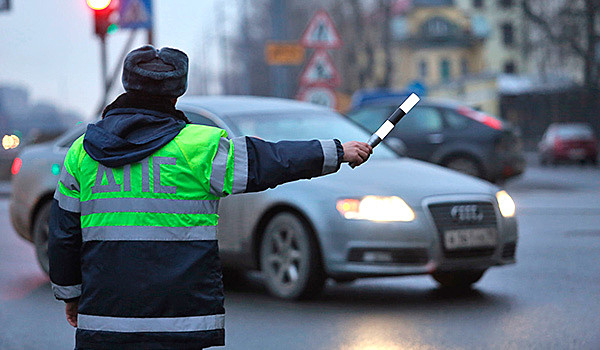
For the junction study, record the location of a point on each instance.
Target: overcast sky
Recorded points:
(49, 46)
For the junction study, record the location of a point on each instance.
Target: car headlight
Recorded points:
(506, 204)
(376, 208)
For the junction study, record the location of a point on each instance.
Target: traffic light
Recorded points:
(104, 13)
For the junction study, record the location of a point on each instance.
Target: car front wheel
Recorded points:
(289, 258)
(464, 165)
(41, 229)
(458, 279)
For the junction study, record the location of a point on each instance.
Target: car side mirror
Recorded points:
(396, 145)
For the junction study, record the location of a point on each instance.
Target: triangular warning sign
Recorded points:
(320, 70)
(321, 33)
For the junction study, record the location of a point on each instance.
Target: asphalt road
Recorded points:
(549, 300)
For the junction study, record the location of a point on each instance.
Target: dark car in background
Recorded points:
(450, 134)
(568, 142)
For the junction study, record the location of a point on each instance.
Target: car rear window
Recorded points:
(456, 121)
(422, 120)
(575, 132)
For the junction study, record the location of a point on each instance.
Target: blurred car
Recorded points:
(449, 134)
(568, 142)
(392, 216)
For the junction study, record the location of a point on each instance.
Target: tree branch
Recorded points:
(547, 28)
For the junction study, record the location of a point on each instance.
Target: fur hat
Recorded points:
(154, 71)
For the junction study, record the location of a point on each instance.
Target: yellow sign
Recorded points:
(284, 53)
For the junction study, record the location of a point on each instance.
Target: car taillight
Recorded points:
(558, 143)
(483, 118)
(16, 166)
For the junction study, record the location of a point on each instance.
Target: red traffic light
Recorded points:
(98, 4)
(105, 13)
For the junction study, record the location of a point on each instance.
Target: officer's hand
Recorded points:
(71, 312)
(356, 152)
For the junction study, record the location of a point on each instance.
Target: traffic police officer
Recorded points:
(132, 244)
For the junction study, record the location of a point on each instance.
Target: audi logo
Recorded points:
(466, 213)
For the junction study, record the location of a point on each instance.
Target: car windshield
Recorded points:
(575, 132)
(303, 126)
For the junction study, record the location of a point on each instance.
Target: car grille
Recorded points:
(509, 249)
(445, 221)
(415, 256)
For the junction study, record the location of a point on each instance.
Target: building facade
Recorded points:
(443, 47)
(504, 47)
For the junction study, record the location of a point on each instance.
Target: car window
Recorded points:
(456, 121)
(199, 119)
(371, 118)
(302, 126)
(422, 120)
(575, 132)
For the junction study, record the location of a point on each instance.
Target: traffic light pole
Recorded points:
(103, 64)
(151, 36)
(109, 82)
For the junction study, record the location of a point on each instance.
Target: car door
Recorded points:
(421, 131)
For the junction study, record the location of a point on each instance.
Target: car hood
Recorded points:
(410, 179)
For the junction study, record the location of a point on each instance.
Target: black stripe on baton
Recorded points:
(393, 119)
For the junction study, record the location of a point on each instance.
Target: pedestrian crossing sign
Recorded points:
(320, 71)
(321, 33)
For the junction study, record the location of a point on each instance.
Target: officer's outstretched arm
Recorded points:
(249, 164)
(271, 164)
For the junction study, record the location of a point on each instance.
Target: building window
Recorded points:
(464, 67)
(508, 36)
(437, 27)
(423, 69)
(510, 67)
(506, 4)
(477, 4)
(445, 70)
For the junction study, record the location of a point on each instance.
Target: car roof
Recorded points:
(428, 101)
(232, 106)
(570, 124)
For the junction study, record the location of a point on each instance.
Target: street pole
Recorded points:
(151, 36)
(279, 74)
(104, 69)
(109, 81)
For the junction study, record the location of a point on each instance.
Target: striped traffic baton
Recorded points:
(393, 119)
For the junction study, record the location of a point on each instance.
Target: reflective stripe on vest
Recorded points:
(66, 292)
(149, 205)
(148, 233)
(150, 324)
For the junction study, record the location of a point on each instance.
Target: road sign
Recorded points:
(284, 53)
(4, 5)
(320, 95)
(321, 33)
(320, 70)
(135, 14)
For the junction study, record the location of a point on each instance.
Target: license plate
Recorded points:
(470, 238)
(577, 153)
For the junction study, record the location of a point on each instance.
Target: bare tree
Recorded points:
(363, 26)
(569, 26)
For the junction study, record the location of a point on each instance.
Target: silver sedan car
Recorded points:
(392, 216)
